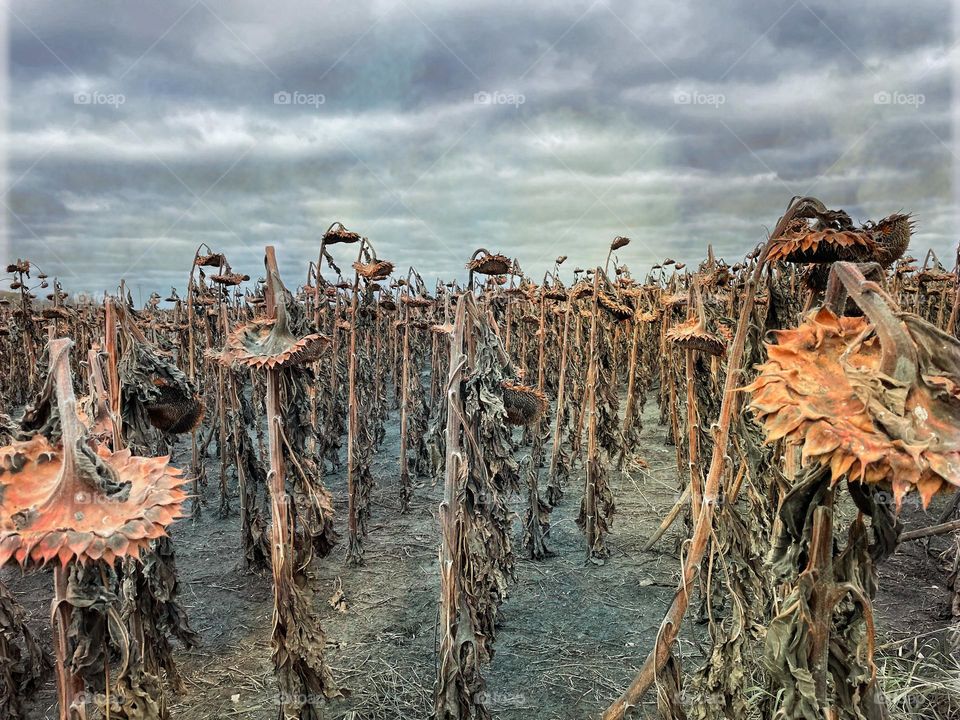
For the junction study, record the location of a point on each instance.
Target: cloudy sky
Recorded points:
(136, 131)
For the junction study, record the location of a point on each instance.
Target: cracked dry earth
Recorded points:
(571, 634)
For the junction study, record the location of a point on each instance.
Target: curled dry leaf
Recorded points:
(338, 601)
(23, 670)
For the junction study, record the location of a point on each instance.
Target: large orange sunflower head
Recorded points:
(833, 389)
(99, 506)
(80, 501)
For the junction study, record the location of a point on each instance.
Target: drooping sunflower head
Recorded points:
(823, 389)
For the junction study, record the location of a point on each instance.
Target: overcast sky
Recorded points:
(136, 131)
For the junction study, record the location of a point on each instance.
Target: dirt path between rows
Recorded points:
(571, 637)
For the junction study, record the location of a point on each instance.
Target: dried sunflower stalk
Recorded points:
(476, 557)
(604, 438)
(298, 640)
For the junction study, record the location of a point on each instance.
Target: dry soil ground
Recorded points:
(571, 637)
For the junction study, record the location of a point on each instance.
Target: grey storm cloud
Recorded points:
(137, 131)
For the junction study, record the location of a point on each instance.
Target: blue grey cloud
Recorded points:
(137, 131)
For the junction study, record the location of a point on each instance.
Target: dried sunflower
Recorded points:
(174, 411)
(581, 290)
(211, 260)
(375, 270)
(50, 511)
(674, 300)
(416, 301)
(881, 415)
(74, 502)
(614, 307)
(693, 334)
(524, 405)
(800, 244)
(882, 242)
(55, 313)
(229, 279)
(934, 275)
(489, 264)
(269, 343)
(339, 234)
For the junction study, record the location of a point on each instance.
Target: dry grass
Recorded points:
(922, 683)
